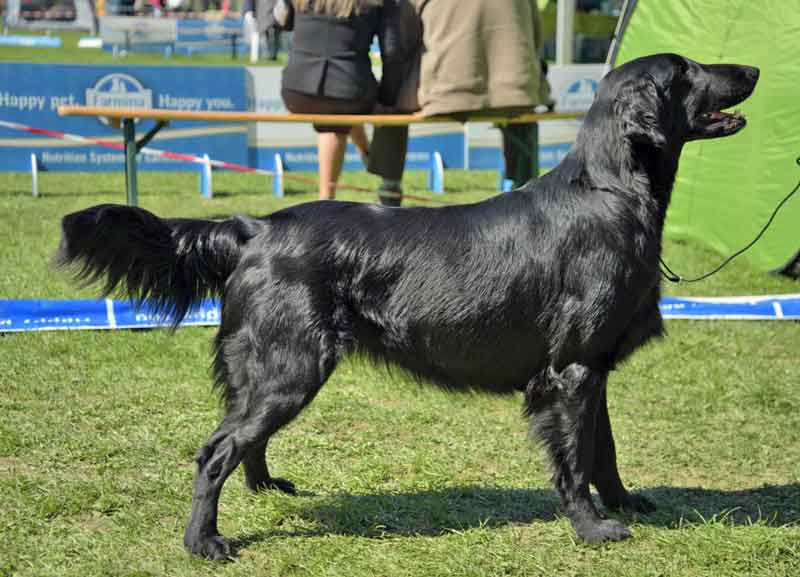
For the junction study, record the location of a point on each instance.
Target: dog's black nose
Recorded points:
(752, 73)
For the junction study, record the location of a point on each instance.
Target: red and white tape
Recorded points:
(191, 158)
(144, 150)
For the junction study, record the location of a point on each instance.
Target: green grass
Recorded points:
(99, 430)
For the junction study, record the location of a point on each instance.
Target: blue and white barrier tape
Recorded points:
(48, 315)
(773, 307)
(51, 315)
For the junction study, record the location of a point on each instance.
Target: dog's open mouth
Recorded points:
(718, 123)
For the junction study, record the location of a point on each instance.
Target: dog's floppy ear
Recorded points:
(638, 109)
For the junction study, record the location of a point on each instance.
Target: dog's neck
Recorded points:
(659, 167)
(623, 167)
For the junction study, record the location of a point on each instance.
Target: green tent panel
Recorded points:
(727, 188)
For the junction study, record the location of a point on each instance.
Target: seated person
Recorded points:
(330, 72)
(478, 57)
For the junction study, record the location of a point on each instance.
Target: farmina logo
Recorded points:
(579, 95)
(119, 91)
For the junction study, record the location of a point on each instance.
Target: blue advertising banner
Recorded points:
(33, 315)
(30, 94)
(420, 150)
(491, 158)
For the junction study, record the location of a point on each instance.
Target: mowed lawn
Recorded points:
(99, 429)
(70, 52)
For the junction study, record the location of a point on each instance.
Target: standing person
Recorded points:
(478, 56)
(330, 72)
(272, 17)
(267, 17)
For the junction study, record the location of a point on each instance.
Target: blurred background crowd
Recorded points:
(594, 19)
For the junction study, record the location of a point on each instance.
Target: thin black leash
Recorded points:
(671, 276)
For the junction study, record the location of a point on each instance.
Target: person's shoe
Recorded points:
(390, 195)
(791, 269)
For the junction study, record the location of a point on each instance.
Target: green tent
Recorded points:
(727, 188)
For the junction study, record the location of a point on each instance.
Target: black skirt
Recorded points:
(300, 102)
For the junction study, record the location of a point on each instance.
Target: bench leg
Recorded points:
(129, 137)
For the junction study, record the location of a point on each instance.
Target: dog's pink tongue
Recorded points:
(717, 115)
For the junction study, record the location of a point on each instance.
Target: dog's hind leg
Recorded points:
(215, 461)
(605, 476)
(269, 386)
(564, 414)
(256, 473)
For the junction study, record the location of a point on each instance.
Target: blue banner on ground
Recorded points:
(30, 94)
(776, 307)
(43, 315)
(53, 315)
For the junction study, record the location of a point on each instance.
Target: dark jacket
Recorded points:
(330, 56)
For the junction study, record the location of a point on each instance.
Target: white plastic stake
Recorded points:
(277, 178)
(206, 186)
(34, 176)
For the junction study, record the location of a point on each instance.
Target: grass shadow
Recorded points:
(427, 513)
(437, 512)
(432, 512)
(775, 505)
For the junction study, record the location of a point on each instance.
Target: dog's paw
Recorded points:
(214, 547)
(603, 530)
(282, 485)
(270, 483)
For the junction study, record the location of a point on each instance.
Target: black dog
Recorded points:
(542, 290)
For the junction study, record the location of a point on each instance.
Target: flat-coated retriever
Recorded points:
(542, 290)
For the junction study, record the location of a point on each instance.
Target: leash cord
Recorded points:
(671, 276)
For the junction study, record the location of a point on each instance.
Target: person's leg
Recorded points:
(330, 151)
(387, 159)
(273, 42)
(791, 268)
(359, 137)
(332, 139)
(519, 151)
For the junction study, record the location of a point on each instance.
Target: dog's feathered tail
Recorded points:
(172, 263)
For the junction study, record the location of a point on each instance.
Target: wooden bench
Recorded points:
(125, 119)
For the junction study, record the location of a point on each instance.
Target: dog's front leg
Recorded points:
(256, 473)
(564, 417)
(605, 476)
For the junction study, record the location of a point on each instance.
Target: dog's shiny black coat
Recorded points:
(543, 290)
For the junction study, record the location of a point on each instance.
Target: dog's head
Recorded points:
(666, 98)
